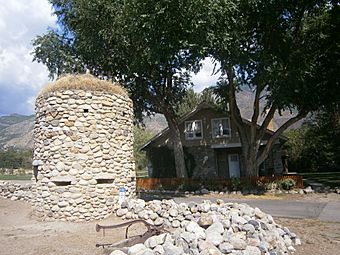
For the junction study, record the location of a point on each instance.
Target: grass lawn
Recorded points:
(15, 177)
(331, 179)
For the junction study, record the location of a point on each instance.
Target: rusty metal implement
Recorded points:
(129, 241)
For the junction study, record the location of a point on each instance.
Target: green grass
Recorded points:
(331, 179)
(24, 177)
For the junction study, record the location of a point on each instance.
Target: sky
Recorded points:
(20, 78)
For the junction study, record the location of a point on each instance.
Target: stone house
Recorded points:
(211, 146)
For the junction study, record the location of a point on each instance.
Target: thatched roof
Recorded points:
(84, 82)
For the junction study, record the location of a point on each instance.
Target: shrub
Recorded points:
(271, 185)
(235, 184)
(189, 187)
(287, 184)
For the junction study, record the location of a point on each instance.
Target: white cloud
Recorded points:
(20, 78)
(20, 22)
(206, 77)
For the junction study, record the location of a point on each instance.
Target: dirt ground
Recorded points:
(20, 233)
(317, 237)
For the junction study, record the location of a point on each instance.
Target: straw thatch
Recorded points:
(84, 82)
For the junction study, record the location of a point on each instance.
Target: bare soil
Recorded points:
(20, 233)
(317, 237)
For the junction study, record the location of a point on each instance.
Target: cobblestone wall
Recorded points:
(83, 152)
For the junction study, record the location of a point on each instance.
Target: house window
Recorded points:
(221, 127)
(193, 129)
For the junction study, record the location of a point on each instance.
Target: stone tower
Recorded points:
(83, 153)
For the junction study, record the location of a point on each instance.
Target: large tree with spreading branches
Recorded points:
(286, 53)
(147, 45)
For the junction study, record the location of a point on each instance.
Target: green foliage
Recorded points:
(315, 147)
(235, 184)
(16, 159)
(190, 187)
(148, 45)
(23, 177)
(192, 99)
(271, 185)
(285, 53)
(285, 50)
(331, 179)
(287, 184)
(141, 136)
(58, 53)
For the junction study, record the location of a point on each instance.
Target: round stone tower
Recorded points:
(83, 148)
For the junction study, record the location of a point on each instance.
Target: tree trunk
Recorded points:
(179, 154)
(250, 165)
(249, 144)
(177, 145)
(251, 138)
(249, 157)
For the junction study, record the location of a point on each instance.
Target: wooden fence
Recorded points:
(212, 184)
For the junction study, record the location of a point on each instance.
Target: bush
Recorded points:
(190, 187)
(271, 185)
(235, 184)
(287, 184)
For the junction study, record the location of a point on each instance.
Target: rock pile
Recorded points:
(15, 191)
(208, 228)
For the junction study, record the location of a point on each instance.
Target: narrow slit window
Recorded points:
(62, 183)
(86, 110)
(104, 181)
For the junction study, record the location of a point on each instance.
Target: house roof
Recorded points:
(203, 105)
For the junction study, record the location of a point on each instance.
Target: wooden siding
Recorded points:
(205, 115)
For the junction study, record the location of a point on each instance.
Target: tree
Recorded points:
(286, 53)
(141, 136)
(315, 147)
(192, 99)
(57, 52)
(148, 45)
(16, 159)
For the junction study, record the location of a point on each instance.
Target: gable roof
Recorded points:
(203, 105)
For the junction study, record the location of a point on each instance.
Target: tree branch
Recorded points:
(269, 117)
(276, 135)
(256, 112)
(256, 106)
(234, 109)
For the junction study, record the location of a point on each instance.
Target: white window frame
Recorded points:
(194, 137)
(212, 128)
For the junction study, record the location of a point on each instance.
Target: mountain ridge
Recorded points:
(16, 130)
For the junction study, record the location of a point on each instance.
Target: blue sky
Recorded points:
(20, 78)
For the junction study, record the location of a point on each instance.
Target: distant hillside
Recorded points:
(155, 123)
(245, 101)
(6, 121)
(16, 131)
